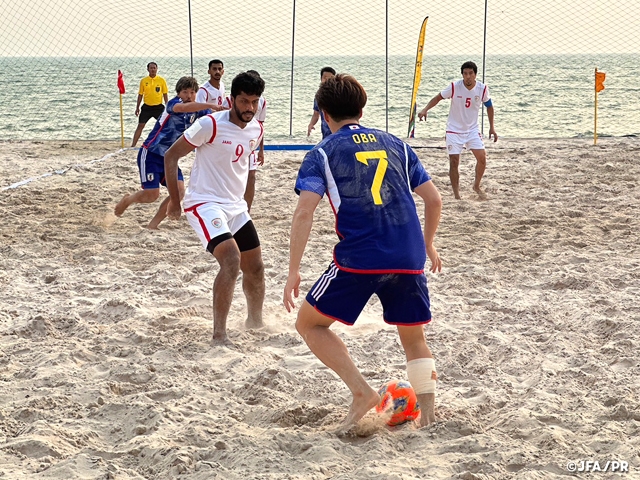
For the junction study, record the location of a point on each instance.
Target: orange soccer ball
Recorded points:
(398, 397)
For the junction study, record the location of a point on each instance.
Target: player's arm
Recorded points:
(492, 130)
(178, 150)
(300, 230)
(314, 119)
(432, 209)
(165, 91)
(261, 152)
(191, 107)
(432, 103)
(138, 104)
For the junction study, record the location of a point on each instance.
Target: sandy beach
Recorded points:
(107, 371)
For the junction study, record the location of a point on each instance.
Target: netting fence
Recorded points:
(59, 58)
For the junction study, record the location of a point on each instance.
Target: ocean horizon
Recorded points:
(535, 96)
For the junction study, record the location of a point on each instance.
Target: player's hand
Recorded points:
(309, 128)
(436, 261)
(292, 287)
(174, 210)
(137, 112)
(422, 115)
(492, 133)
(260, 158)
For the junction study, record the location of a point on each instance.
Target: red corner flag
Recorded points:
(120, 82)
(600, 77)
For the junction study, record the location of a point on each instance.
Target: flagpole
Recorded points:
(121, 124)
(121, 90)
(595, 113)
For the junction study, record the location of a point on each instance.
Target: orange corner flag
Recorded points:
(600, 76)
(121, 82)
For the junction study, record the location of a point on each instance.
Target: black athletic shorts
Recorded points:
(148, 111)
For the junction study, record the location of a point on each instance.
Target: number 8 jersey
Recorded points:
(368, 176)
(221, 167)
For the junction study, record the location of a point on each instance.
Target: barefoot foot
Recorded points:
(222, 341)
(121, 206)
(361, 404)
(481, 193)
(252, 322)
(427, 409)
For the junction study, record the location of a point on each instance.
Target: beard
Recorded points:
(243, 115)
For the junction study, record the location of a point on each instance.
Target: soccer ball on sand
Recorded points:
(398, 398)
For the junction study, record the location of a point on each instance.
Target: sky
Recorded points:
(329, 27)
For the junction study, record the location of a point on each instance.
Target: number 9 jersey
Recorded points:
(368, 176)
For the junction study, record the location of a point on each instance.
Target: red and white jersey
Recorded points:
(261, 113)
(207, 93)
(221, 167)
(465, 105)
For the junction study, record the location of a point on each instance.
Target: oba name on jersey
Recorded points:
(368, 176)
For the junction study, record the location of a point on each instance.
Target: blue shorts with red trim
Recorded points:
(342, 296)
(151, 167)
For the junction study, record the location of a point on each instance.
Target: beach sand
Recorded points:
(107, 371)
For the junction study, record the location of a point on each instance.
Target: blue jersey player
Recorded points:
(368, 176)
(179, 114)
(325, 74)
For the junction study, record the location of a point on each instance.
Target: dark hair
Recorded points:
(247, 83)
(186, 82)
(342, 97)
(253, 72)
(151, 63)
(327, 69)
(216, 61)
(469, 65)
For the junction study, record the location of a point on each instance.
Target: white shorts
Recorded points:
(253, 161)
(457, 142)
(210, 220)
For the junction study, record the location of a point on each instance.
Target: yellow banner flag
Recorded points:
(600, 76)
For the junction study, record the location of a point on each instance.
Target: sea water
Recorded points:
(76, 98)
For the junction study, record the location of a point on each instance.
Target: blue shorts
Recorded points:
(151, 167)
(342, 296)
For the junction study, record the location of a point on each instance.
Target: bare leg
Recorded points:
(251, 188)
(253, 285)
(162, 210)
(330, 350)
(149, 195)
(481, 164)
(137, 133)
(228, 257)
(454, 176)
(415, 346)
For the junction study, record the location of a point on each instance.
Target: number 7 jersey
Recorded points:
(368, 176)
(221, 167)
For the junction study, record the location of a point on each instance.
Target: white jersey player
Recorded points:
(467, 97)
(257, 158)
(213, 90)
(214, 200)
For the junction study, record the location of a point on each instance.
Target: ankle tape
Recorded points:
(422, 375)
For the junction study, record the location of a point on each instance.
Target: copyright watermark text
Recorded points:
(590, 466)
